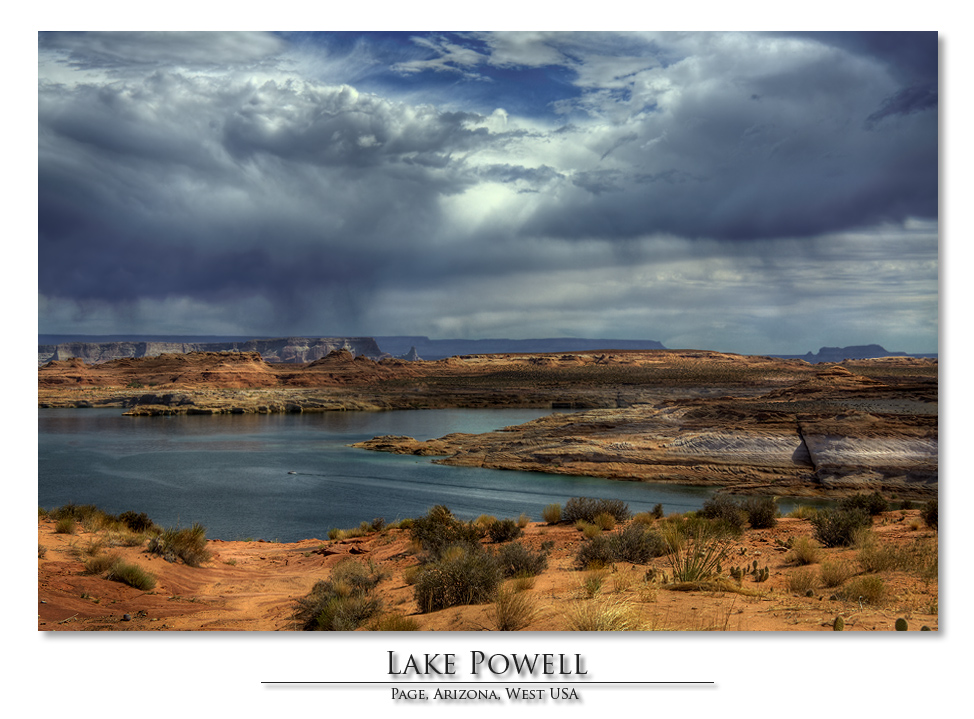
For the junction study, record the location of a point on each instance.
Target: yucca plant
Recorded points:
(700, 557)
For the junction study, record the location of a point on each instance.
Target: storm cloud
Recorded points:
(720, 190)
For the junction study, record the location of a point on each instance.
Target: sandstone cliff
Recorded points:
(289, 350)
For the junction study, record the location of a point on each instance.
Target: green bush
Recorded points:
(439, 529)
(136, 522)
(762, 512)
(343, 602)
(873, 504)
(504, 530)
(635, 544)
(722, 507)
(838, 527)
(587, 509)
(517, 560)
(931, 514)
(465, 575)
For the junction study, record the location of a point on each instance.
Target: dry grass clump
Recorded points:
(867, 588)
(802, 581)
(551, 513)
(802, 512)
(100, 563)
(394, 623)
(131, 574)
(66, 525)
(832, 574)
(804, 550)
(609, 615)
(919, 557)
(513, 611)
(188, 545)
(592, 581)
(645, 518)
(604, 521)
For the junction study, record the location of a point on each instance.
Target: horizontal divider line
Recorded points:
(480, 683)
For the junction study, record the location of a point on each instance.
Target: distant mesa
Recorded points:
(854, 352)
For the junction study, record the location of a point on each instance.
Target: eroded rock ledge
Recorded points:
(832, 433)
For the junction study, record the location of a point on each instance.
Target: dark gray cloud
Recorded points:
(213, 182)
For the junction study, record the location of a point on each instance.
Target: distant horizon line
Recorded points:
(204, 338)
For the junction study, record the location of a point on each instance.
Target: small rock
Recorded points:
(126, 617)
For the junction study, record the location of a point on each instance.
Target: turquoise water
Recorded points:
(287, 477)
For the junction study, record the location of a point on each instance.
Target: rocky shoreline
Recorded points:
(750, 424)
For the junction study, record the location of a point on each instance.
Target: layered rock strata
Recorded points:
(814, 437)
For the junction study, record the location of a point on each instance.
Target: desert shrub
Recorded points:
(801, 581)
(466, 576)
(762, 512)
(872, 504)
(187, 544)
(700, 557)
(484, 523)
(523, 520)
(513, 611)
(657, 511)
(343, 602)
(504, 530)
(832, 574)
(931, 514)
(344, 613)
(604, 616)
(722, 507)
(604, 521)
(551, 513)
(635, 544)
(867, 588)
(585, 508)
(837, 527)
(137, 523)
(440, 529)
(41, 551)
(131, 574)
(594, 553)
(804, 550)
(517, 560)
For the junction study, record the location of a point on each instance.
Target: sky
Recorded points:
(744, 192)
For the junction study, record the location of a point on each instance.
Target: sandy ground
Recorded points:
(254, 586)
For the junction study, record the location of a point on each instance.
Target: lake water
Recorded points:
(233, 473)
